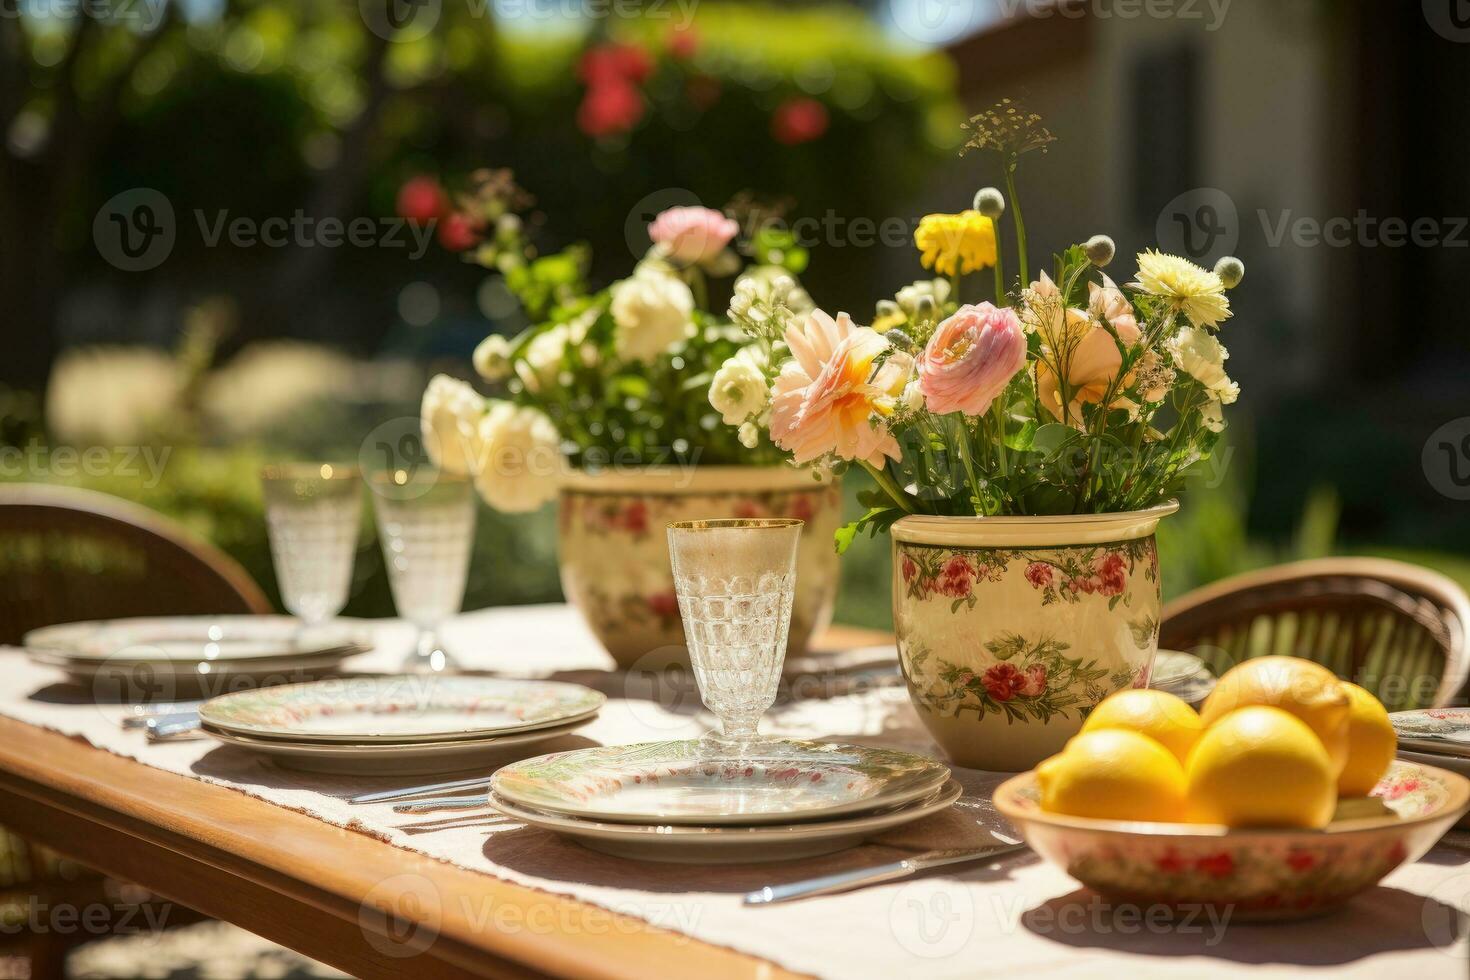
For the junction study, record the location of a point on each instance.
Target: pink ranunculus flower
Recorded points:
(825, 400)
(692, 236)
(970, 359)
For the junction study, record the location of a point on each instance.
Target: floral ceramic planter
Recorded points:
(1010, 629)
(615, 553)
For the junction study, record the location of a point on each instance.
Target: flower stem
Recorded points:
(1010, 171)
(883, 480)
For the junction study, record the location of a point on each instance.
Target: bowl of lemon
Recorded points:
(1280, 798)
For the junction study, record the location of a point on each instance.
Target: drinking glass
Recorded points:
(312, 511)
(426, 522)
(735, 580)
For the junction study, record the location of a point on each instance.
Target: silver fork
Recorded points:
(847, 880)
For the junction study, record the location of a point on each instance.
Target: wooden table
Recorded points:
(338, 896)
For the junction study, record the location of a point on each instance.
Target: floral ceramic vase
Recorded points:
(1011, 629)
(615, 556)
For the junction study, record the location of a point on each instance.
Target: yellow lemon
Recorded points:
(1261, 767)
(1113, 774)
(1162, 717)
(1371, 743)
(1299, 687)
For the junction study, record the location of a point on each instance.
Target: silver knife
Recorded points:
(846, 880)
(178, 727)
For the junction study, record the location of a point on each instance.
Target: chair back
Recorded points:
(68, 554)
(1395, 629)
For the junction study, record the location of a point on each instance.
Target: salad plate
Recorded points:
(406, 758)
(680, 844)
(188, 640)
(400, 708)
(681, 783)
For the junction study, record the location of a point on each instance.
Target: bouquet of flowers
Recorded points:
(1063, 394)
(615, 377)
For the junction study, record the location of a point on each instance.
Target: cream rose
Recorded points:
(1201, 356)
(492, 358)
(543, 358)
(448, 417)
(1212, 417)
(653, 311)
(739, 388)
(520, 460)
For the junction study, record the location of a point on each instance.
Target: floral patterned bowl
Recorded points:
(1256, 874)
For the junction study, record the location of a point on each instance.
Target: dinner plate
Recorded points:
(728, 845)
(189, 640)
(407, 758)
(401, 708)
(769, 781)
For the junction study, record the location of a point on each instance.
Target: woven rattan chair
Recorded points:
(69, 554)
(1396, 629)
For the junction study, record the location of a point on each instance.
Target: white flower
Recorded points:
(913, 396)
(1211, 416)
(520, 461)
(492, 358)
(448, 416)
(739, 388)
(1200, 355)
(749, 435)
(543, 358)
(909, 296)
(653, 311)
(1198, 293)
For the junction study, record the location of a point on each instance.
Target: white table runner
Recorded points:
(1017, 916)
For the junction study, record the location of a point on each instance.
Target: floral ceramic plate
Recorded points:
(729, 845)
(406, 708)
(399, 759)
(772, 781)
(1259, 874)
(1434, 731)
(188, 640)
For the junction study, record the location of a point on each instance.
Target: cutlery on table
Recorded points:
(846, 880)
(139, 715)
(427, 789)
(471, 802)
(180, 727)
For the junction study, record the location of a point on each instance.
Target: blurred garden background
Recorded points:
(169, 376)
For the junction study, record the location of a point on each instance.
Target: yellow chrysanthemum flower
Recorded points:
(1198, 293)
(956, 243)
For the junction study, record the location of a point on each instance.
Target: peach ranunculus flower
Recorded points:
(692, 236)
(1086, 355)
(970, 359)
(826, 397)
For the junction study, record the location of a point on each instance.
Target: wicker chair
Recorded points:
(1396, 629)
(69, 554)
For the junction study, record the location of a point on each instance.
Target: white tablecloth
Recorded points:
(1016, 916)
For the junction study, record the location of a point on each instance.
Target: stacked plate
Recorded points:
(411, 724)
(693, 802)
(168, 658)
(1435, 737)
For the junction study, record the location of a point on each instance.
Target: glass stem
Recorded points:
(739, 728)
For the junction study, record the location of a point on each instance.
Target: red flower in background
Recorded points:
(607, 63)
(458, 233)
(747, 510)
(801, 508)
(799, 120)
(609, 108)
(664, 605)
(1002, 681)
(421, 199)
(1033, 683)
(683, 42)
